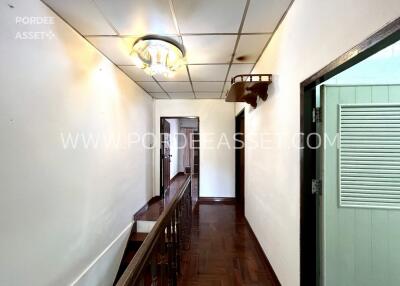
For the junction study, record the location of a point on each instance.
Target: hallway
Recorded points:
(229, 142)
(223, 250)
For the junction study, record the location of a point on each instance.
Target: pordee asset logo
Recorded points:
(35, 35)
(32, 34)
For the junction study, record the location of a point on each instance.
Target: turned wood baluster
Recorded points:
(186, 219)
(169, 253)
(141, 281)
(178, 237)
(163, 260)
(147, 279)
(162, 266)
(174, 249)
(153, 270)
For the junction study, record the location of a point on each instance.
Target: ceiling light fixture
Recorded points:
(158, 55)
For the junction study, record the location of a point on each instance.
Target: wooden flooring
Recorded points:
(154, 209)
(223, 251)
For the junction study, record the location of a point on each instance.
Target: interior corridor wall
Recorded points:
(313, 33)
(217, 156)
(65, 211)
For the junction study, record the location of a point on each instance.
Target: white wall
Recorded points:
(217, 168)
(64, 211)
(313, 34)
(174, 145)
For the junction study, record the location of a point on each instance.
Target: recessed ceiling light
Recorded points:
(158, 55)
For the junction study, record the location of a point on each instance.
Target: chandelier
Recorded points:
(158, 55)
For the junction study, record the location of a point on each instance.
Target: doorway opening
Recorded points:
(180, 152)
(356, 110)
(240, 159)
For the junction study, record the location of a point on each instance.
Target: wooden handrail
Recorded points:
(168, 219)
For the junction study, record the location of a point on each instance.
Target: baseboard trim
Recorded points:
(128, 227)
(262, 254)
(216, 200)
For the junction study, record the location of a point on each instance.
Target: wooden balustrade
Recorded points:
(157, 262)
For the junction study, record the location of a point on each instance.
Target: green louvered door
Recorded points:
(360, 170)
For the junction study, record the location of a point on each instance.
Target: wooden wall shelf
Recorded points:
(248, 87)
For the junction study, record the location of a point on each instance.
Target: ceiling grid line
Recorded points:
(105, 18)
(236, 44)
(202, 64)
(79, 33)
(218, 47)
(181, 34)
(223, 34)
(161, 86)
(272, 34)
(172, 8)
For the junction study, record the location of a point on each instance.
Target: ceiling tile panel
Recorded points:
(208, 72)
(211, 95)
(176, 86)
(199, 16)
(208, 56)
(264, 15)
(181, 95)
(117, 49)
(159, 95)
(180, 75)
(139, 17)
(209, 49)
(237, 69)
(150, 86)
(136, 74)
(204, 86)
(250, 47)
(83, 15)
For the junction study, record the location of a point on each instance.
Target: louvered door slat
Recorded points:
(369, 156)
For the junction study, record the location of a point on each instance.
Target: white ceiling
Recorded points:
(222, 38)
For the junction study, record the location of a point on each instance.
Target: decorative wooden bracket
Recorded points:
(248, 87)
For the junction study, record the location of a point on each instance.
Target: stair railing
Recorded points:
(157, 261)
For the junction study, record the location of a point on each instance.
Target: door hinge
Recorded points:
(316, 115)
(316, 186)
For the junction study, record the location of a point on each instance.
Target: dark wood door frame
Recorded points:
(378, 41)
(165, 157)
(239, 165)
(198, 127)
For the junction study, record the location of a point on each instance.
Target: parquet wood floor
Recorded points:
(223, 251)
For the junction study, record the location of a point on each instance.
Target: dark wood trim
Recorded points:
(161, 171)
(376, 42)
(388, 35)
(176, 176)
(238, 170)
(146, 206)
(198, 127)
(262, 254)
(181, 117)
(219, 200)
(308, 263)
